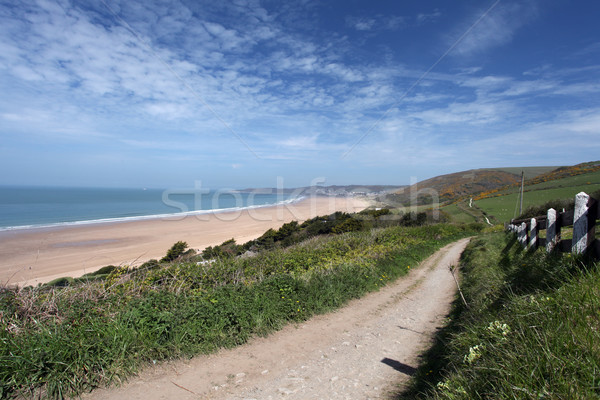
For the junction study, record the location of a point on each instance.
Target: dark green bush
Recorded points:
(175, 251)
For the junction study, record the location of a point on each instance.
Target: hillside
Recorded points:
(494, 191)
(501, 204)
(561, 184)
(530, 172)
(450, 187)
(458, 185)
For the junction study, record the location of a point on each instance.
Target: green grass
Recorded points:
(503, 207)
(532, 329)
(591, 178)
(582, 179)
(530, 172)
(60, 341)
(461, 212)
(458, 214)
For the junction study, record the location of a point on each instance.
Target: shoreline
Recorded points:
(19, 228)
(38, 255)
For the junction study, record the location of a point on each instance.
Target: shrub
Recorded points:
(226, 249)
(150, 264)
(103, 271)
(175, 251)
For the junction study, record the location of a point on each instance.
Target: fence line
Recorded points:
(582, 218)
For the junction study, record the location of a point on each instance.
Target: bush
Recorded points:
(175, 251)
(349, 225)
(226, 249)
(60, 282)
(103, 271)
(150, 264)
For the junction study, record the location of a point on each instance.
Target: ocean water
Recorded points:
(34, 207)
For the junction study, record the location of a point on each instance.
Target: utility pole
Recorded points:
(522, 187)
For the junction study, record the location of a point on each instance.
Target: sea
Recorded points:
(42, 207)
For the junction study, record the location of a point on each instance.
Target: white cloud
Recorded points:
(168, 111)
(474, 113)
(364, 24)
(496, 28)
(301, 142)
(425, 17)
(376, 23)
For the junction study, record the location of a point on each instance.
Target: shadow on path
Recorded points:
(398, 366)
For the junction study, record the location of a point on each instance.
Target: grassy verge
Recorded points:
(60, 341)
(532, 329)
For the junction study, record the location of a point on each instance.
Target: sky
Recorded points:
(249, 93)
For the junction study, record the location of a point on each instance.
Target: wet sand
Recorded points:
(32, 256)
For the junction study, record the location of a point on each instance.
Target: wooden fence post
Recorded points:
(533, 234)
(523, 234)
(551, 237)
(580, 224)
(593, 210)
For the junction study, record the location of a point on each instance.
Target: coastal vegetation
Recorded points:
(175, 251)
(530, 330)
(67, 337)
(339, 222)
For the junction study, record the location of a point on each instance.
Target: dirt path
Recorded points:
(358, 352)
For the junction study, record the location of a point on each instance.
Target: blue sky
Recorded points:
(238, 93)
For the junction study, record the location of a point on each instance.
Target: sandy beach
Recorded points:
(32, 256)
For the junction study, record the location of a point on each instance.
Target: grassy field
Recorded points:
(530, 172)
(458, 213)
(501, 206)
(462, 213)
(61, 341)
(592, 178)
(530, 331)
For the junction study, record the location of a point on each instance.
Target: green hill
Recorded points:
(490, 195)
(560, 184)
(450, 187)
(530, 172)
(458, 185)
(502, 204)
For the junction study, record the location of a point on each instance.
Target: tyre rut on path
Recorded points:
(362, 351)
